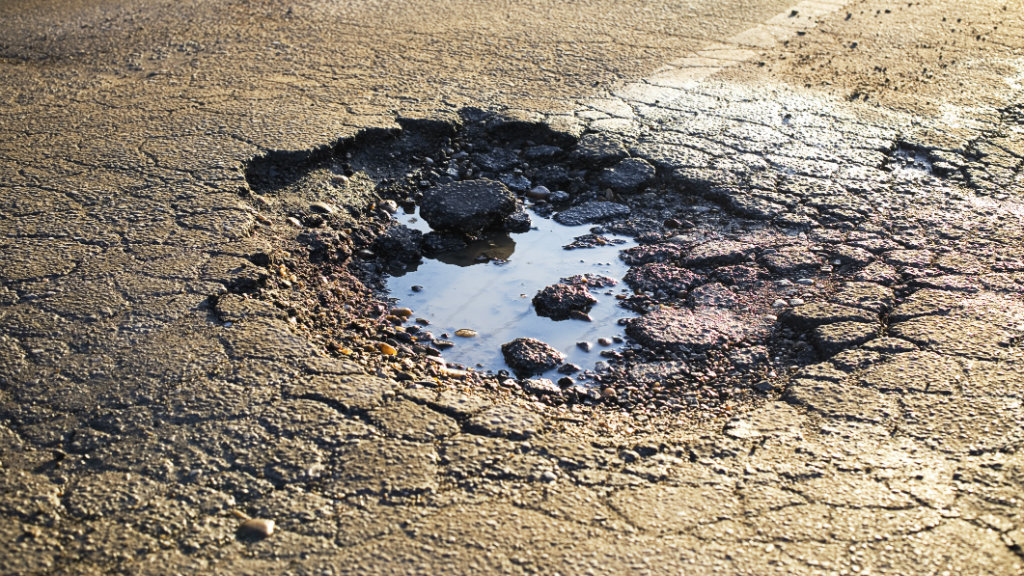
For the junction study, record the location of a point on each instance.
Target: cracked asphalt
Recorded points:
(149, 405)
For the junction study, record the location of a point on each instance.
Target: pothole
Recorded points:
(670, 298)
(468, 302)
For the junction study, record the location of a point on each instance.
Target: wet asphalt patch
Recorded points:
(404, 243)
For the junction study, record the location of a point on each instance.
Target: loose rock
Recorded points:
(560, 301)
(529, 356)
(470, 206)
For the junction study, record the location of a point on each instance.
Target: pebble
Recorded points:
(805, 282)
(780, 303)
(465, 333)
(386, 349)
(322, 207)
(548, 476)
(629, 456)
(402, 312)
(796, 301)
(604, 341)
(257, 527)
(539, 193)
(585, 346)
(389, 206)
(417, 288)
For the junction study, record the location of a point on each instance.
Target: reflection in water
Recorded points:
(494, 297)
(499, 246)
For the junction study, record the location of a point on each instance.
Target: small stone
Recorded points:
(386, 349)
(528, 356)
(539, 193)
(603, 341)
(322, 207)
(796, 302)
(629, 456)
(465, 333)
(568, 369)
(417, 288)
(559, 301)
(548, 476)
(585, 346)
(256, 528)
(541, 386)
(389, 206)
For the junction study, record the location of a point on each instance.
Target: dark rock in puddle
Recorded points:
(629, 175)
(399, 244)
(518, 222)
(529, 356)
(469, 206)
(539, 193)
(591, 213)
(666, 278)
(691, 331)
(591, 280)
(559, 301)
(568, 369)
(592, 241)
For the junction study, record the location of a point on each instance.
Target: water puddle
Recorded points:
(489, 289)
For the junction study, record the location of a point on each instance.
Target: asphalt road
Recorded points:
(142, 420)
